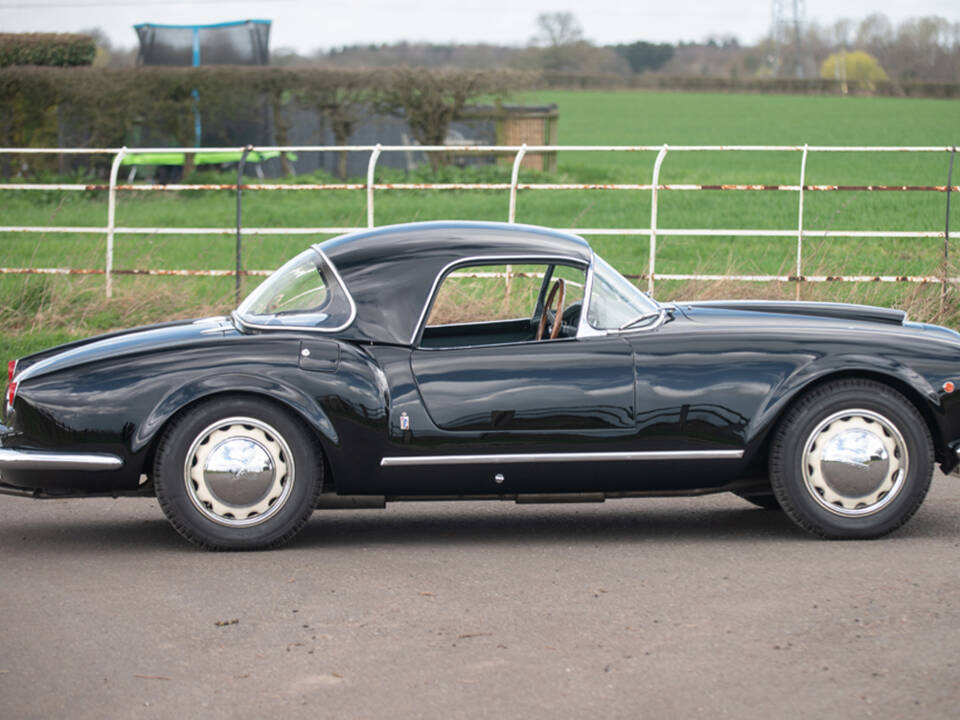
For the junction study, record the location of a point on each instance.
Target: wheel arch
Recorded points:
(913, 395)
(189, 396)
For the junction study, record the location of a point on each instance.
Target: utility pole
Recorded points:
(787, 20)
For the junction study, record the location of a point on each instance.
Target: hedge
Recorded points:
(156, 106)
(712, 83)
(46, 49)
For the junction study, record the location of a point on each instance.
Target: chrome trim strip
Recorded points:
(309, 328)
(480, 322)
(45, 460)
(663, 311)
(584, 328)
(416, 460)
(587, 330)
(487, 260)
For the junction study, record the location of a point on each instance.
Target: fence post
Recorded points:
(803, 179)
(946, 237)
(243, 161)
(512, 214)
(370, 168)
(111, 217)
(653, 217)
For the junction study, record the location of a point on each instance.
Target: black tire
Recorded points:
(767, 500)
(852, 459)
(237, 473)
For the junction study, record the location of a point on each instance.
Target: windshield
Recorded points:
(305, 292)
(614, 300)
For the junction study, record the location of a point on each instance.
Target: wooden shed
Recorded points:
(519, 124)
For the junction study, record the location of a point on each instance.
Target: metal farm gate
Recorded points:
(654, 187)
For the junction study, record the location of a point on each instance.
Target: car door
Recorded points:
(601, 410)
(557, 393)
(501, 403)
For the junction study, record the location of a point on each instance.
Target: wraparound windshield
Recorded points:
(305, 292)
(614, 300)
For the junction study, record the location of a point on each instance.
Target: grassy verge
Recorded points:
(38, 311)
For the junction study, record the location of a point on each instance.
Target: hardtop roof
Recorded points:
(391, 271)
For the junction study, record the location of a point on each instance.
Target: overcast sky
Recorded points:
(307, 25)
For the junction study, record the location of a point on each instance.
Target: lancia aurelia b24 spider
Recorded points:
(487, 361)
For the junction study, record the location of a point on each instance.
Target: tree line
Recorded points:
(916, 49)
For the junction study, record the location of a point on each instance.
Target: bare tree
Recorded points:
(429, 100)
(842, 31)
(561, 37)
(557, 29)
(875, 35)
(343, 97)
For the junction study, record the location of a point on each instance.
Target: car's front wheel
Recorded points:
(237, 473)
(851, 459)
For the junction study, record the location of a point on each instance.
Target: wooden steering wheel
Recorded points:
(558, 313)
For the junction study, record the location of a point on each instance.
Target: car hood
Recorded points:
(123, 342)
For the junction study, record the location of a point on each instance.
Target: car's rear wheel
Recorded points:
(852, 459)
(237, 473)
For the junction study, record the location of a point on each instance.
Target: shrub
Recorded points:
(50, 49)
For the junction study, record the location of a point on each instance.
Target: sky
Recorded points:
(308, 25)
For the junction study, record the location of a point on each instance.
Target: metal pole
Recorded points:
(370, 168)
(111, 217)
(243, 161)
(195, 94)
(653, 216)
(803, 179)
(946, 236)
(512, 214)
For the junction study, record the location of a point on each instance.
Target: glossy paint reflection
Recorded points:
(547, 385)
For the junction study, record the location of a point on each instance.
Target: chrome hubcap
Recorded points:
(239, 472)
(854, 462)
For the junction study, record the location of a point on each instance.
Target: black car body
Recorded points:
(836, 413)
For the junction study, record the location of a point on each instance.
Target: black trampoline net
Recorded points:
(236, 43)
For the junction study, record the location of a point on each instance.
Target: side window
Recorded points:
(497, 304)
(486, 293)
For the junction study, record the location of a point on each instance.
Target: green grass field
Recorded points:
(37, 311)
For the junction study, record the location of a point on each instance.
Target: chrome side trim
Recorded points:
(46, 460)
(417, 460)
(487, 260)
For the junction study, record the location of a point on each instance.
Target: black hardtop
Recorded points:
(391, 271)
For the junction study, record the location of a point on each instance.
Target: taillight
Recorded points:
(11, 384)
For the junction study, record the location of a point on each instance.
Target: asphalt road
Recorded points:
(702, 607)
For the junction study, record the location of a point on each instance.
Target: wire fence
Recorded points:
(653, 231)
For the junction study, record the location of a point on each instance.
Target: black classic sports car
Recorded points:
(460, 360)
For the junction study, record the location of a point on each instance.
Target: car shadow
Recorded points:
(458, 524)
(528, 525)
(96, 535)
(683, 521)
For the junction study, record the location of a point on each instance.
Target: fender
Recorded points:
(823, 368)
(210, 385)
